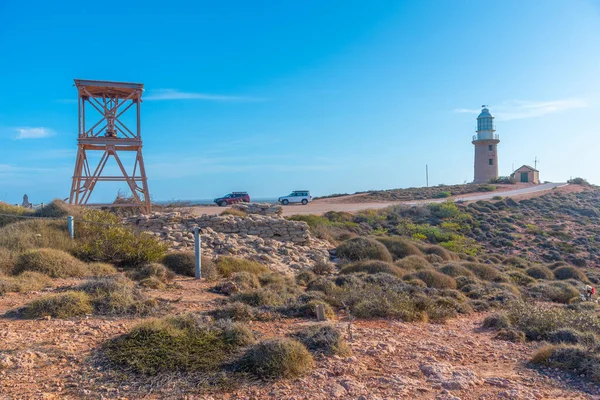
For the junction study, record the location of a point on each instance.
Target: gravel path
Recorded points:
(341, 203)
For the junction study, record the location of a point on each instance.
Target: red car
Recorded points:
(233, 197)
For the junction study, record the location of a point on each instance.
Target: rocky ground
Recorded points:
(46, 359)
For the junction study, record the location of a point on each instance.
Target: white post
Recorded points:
(197, 248)
(71, 227)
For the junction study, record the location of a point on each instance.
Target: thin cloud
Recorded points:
(173, 94)
(519, 109)
(34, 133)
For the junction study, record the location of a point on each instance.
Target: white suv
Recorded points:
(297, 196)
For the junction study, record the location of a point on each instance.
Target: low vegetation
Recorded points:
(278, 358)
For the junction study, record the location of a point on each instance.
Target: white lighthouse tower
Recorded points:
(486, 148)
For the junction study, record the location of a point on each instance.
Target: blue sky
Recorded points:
(273, 96)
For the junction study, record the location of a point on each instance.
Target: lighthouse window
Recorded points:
(491, 161)
(490, 147)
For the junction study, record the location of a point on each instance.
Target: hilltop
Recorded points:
(447, 300)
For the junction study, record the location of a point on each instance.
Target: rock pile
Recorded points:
(259, 208)
(274, 241)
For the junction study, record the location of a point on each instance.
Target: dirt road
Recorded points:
(337, 204)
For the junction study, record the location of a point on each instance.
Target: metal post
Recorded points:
(427, 174)
(197, 248)
(71, 227)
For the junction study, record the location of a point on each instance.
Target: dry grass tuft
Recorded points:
(278, 358)
(54, 263)
(61, 305)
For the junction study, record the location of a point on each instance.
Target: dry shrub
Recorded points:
(184, 263)
(540, 272)
(486, 272)
(99, 269)
(278, 358)
(572, 336)
(575, 359)
(569, 272)
(7, 261)
(54, 263)
(236, 311)
(360, 248)
(323, 268)
(323, 339)
(496, 321)
(176, 344)
(413, 263)
(27, 281)
(455, 270)
(245, 280)
(434, 279)
(304, 276)
(517, 262)
(34, 233)
(61, 305)
(441, 252)
(511, 335)
(152, 270)
(235, 212)
(520, 278)
(116, 295)
(400, 247)
(229, 265)
(371, 267)
(560, 292)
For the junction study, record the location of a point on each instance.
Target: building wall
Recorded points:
(532, 176)
(483, 170)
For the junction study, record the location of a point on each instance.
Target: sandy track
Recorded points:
(340, 203)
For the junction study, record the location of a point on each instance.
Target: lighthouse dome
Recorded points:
(485, 120)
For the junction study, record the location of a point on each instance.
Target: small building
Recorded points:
(526, 174)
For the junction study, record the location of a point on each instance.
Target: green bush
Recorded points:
(176, 344)
(184, 263)
(399, 247)
(323, 339)
(116, 295)
(568, 272)
(578, 181)
(116, 243)
(442, 195)
(54, 263)
(278, 358)
(371, 267)
(540, 272)
(360, 248)
(434, 279)
(229, 265)
(61, 305)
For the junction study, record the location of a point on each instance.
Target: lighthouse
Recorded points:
(486, 148)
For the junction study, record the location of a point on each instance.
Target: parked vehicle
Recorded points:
(297, 196)
(232, 198)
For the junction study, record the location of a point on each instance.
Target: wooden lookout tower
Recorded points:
(108, 134)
